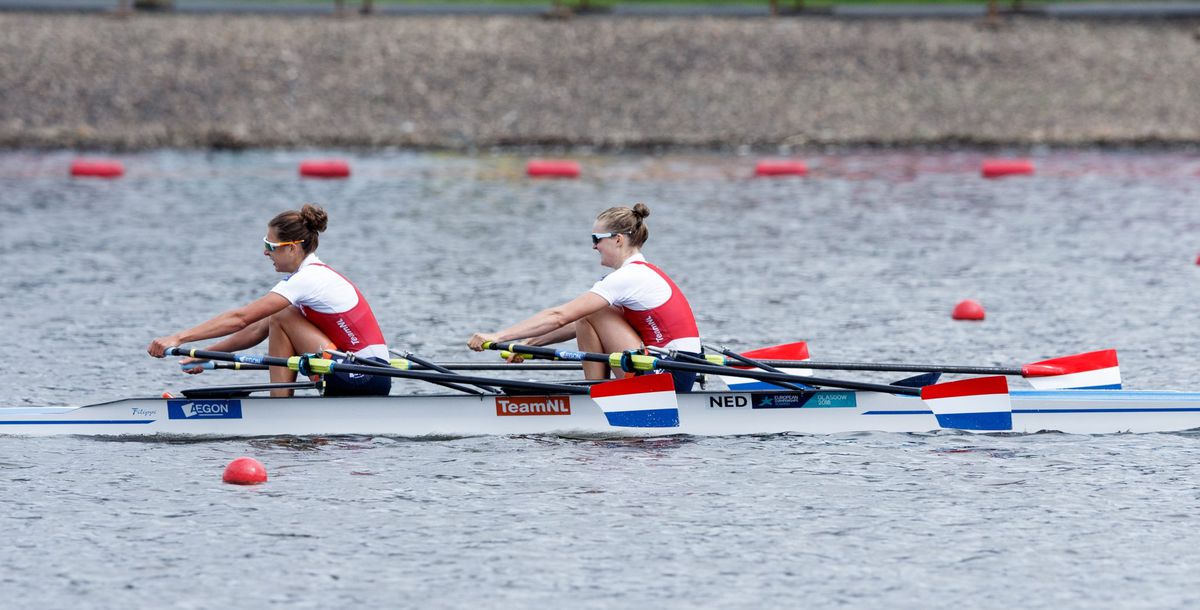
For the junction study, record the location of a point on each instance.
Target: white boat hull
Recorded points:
(701, 414)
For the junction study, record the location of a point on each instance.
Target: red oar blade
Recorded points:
(981, 403)
(646, 401)
(1090, 371)
(787, 351)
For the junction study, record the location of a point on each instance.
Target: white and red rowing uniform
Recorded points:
(652, 304)
(334, 305)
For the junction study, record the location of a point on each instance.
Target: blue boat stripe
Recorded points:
(1118, 410)
(1051, 411)
(38, 422)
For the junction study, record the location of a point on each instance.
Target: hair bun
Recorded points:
(314, 217)
(640, 210)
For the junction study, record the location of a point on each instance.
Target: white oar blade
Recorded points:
(787, 351)
(646, 401)
(981, 403)
(1090, 371)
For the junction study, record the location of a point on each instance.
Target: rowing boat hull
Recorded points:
(701, 414)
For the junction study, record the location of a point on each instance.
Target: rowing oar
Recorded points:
(230, 366)
(405, 365)
(757, 364)
(1091, 370)
(352, 359)
(323, 366)
(411, 357)
(647, 363)
(238, 366)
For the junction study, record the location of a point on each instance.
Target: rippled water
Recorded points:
(864, 259)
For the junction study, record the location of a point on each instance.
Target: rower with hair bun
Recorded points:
(634, 306)
(312, 309)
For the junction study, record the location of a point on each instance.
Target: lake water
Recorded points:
(864, 259)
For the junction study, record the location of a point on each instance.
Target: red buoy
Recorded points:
(781, 167)
(996, 168)
(552, 168)
(96, 168)
(325, 168)
(245, 471)
(968, 310)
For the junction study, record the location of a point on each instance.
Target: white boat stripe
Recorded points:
(979, 403)
(644, 401)
(1085, 379)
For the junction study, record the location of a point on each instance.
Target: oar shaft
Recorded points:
(441, 369)
(352, 359)
(893, 367)
(557, 388)
(672, 365)
(759, 364)
(454, 366)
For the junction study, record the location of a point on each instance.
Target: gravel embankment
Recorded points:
(462, 82)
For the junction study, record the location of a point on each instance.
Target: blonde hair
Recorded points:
(628, 221)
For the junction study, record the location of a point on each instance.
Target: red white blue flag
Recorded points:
(646, 401)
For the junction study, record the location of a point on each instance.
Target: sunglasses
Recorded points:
(596, 237)
(271, 246)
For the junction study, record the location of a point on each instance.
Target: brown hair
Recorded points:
(303, 224)
(627, 221)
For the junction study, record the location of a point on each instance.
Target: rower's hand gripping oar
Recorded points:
(637, 402)
(1090, 370)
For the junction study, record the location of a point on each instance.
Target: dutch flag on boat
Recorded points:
(981, 403)
(647, 401)
(787, 351)
(1090, 371)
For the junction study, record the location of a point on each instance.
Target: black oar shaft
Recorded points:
(441, 369)
(894, 367)
(352, 359)
(759, 364)
(557, 388)
(453, 366)
(712, 369)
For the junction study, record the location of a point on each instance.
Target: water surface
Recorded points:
(864, 259)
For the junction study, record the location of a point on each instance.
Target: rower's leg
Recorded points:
(604, 331)
(292, 334)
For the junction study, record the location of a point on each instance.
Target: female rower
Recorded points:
(633, 306)
(312, 309)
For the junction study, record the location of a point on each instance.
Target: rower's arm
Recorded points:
(227, 323)
(556, 320)
(243, 339)
(565, 333)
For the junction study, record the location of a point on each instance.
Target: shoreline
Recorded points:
(468, 83)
